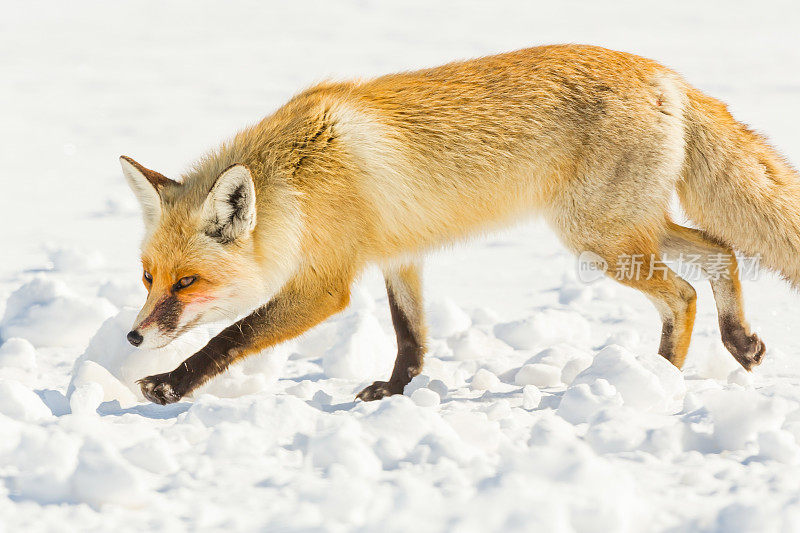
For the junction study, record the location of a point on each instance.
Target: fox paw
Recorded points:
(753, 353)
(747, 348)
(158, 389)
(378, 390)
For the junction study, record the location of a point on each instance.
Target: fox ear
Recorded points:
(230, 208)
(145, 184)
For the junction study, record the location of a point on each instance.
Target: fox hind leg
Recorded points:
(404, 287)
(719, 263)
(634, 262)
(674, 298)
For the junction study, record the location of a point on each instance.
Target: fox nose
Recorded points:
(135, 338)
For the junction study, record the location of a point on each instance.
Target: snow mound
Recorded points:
(581, 402)
(47, 313)
(484, 380)
(362, 350)
(425, 398)
(531, 397)
(21, 403)
(86, 398)
(646, 383)
(17, 353)
(538, 374)
(113, 363)
(89, 373)
(110, 349)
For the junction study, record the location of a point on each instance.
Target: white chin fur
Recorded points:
(155, 341)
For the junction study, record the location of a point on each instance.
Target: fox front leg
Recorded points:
(404, 288)
(289, 314)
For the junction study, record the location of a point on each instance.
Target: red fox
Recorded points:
(282, 218)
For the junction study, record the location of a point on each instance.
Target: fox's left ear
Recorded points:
(146, 185)
(230, 209)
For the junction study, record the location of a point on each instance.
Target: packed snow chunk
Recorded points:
(475, 344)
(121, 294)
(111, 350)
(86, 398)
(421, 381)
(71, 259)
(647, 383)
(321, 398)
(17, 353)
(549, 326)
(739, 415)
(569, 359)
(417, 382)
(425, 398)
(47, 313)
(573, 368)
(21, 403)
(484, 380)
(103, 476)
(362, 351)
(531, 397)
(778, 445)
(91, 373)
(538, 374)
(445, 318)
(452, 376)
(582, 401)
(345, 446)
(439, 387)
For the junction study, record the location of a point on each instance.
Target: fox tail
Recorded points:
(738, 188)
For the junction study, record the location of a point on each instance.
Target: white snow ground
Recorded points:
(543, 406)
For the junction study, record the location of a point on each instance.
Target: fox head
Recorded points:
(199, 255)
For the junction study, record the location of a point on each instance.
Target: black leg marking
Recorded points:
(747, 349)
(406, 308)
(667, 347)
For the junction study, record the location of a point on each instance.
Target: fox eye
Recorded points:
(148, 277)
(185, 282)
